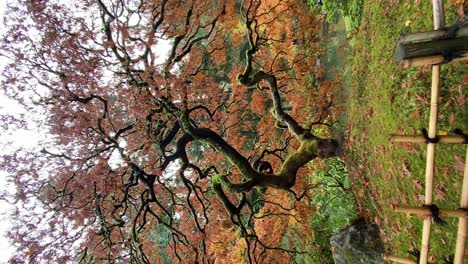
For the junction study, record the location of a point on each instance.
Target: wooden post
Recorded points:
(430, 162)
(430, 48)
(423, 36)
(438, 14)
(462, 222)
(439, 23)
(424, 211)
(398, 259)
(430, 60)
(443, 139)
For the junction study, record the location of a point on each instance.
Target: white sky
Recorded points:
(27, 139)
(5, 106)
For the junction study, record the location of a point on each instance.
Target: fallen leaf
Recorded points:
(416, 114)
(441, 185)
(421, 99)
(439, 195)
(448, 103)
(443, 132)
(452, 119)
(458, 165)
(420, 197)
(417, 185)
(460, 101)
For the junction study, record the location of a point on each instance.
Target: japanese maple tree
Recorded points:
(177, 131)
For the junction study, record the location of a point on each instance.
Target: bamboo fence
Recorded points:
(443, 139)
(439, 23)
(462, 221)
(462, 213)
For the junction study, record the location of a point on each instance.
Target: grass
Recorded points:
(385, 99)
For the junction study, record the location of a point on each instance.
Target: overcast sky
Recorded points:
(5, 106)
(26, 139)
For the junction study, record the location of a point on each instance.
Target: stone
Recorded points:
(359, 243)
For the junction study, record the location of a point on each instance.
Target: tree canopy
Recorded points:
(176, 131)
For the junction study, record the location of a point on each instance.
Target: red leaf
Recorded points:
(452, 119)
(421, 99)
(439, 195)
(459, 165)
(417, 185)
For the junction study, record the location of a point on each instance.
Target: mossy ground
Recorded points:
(384, 99)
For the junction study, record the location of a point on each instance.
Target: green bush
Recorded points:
(351, 10)
(336, 207)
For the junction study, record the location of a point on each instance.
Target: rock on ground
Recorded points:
(359, 243)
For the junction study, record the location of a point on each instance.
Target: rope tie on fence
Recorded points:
(429, 139)
(449, 55)
(447, 260)
(459, 132)
(451, 32)
(415, 253)
(435, 214)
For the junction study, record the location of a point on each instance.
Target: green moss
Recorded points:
(216, 179)
(306, 151)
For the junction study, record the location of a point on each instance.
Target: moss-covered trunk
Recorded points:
(309, 149)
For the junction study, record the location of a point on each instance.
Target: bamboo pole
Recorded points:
(430, 60)
(429, 35)
(430, 162)
(438, 14)
(443, 139)
(462, 222)
(439, 23)
(424, 211)
(398, 259)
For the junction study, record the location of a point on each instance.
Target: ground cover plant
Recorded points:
(386, 99)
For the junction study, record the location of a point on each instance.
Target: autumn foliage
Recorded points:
(176, 131)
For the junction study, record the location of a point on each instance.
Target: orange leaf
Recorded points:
(452, 119)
